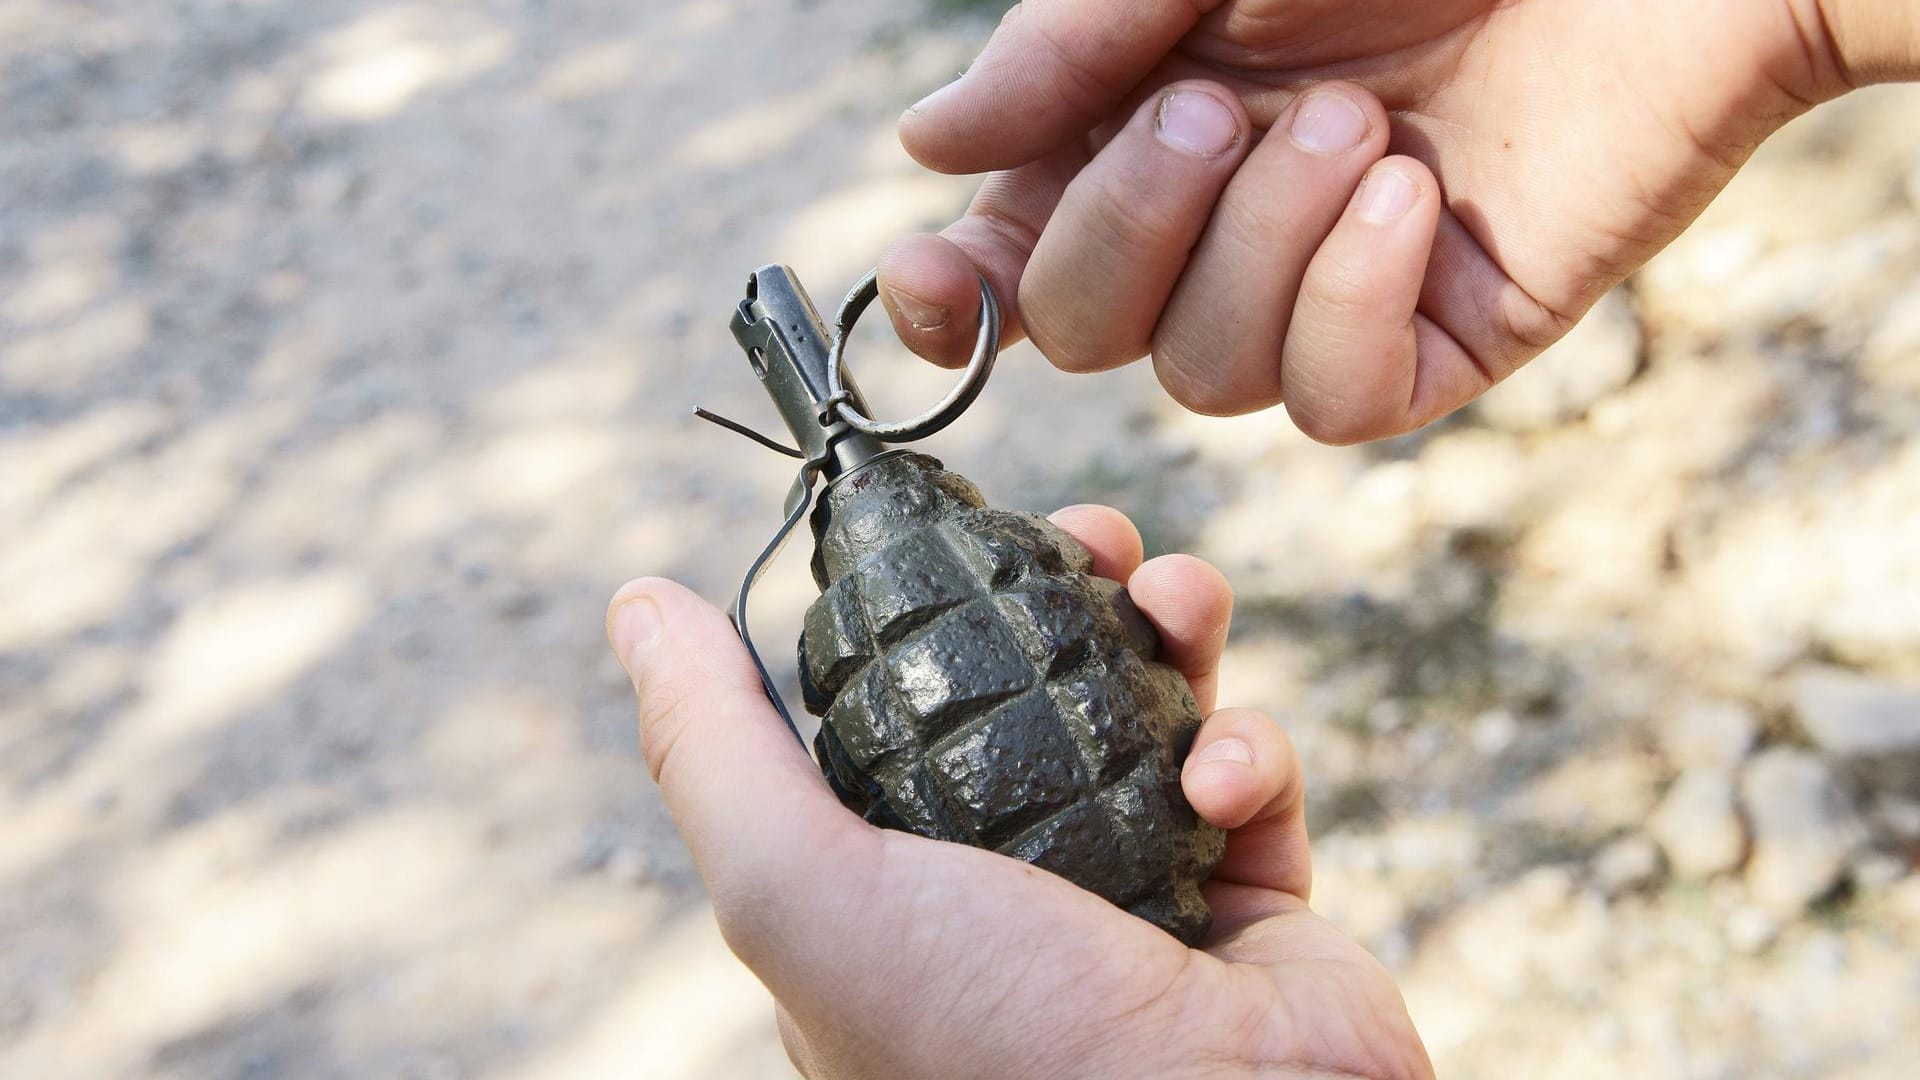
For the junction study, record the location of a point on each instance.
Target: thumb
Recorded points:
(769, 837)
(1051, 73)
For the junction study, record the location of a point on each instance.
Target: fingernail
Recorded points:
(1328, 122)
(1196, 123)
(635, 625)
(1385, 195)
(1225, 750)
(922, 315)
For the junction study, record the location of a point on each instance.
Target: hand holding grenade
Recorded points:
(976, 683)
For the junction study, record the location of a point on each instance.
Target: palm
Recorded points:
(897, 956)
(1570, 143)
(1277, 987)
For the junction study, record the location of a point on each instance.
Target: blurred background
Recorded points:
(346, 359)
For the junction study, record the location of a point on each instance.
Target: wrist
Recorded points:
(1848, 44)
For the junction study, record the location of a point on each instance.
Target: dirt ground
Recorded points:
(347, 352)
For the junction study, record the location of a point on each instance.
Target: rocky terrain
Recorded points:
(346, 353)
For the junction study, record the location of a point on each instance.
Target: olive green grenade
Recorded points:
(976, 683)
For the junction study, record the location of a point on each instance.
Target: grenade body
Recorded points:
(977, 684)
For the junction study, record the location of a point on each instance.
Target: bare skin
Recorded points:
(898, 957)
(1371, 212)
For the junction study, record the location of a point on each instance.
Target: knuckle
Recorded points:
(1176, 375)
(748, 925)
(1001, 228)
(1271, 737)
(1052, 324)
(1251, 225)
(1341, 293)
(718, 686)
(1286, 754)
(746, 929)
(1061, 349)
(1071, 352)
(1205, 388)
(1081, 86)
(663, 723)
(1532, 324)
(794, 1041)
(1336, 423)
(1130, 220)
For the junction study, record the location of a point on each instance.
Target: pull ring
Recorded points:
(972, 381)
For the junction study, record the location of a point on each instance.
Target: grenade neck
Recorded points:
(788, 347)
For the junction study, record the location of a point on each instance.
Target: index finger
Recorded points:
(1051, 72)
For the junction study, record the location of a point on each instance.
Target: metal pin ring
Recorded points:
(972, 381)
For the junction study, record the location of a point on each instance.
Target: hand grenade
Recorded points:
(975, 682)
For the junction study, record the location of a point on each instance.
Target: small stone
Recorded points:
(1538, 932)
(16, 1012)
(1597, 357)
(1424, 744)
(1711, 733)
(1394, 949)
(1446, 848)
(1387, 716)
(1871, 723)
(1548, 886)
(1474, 479)
(1804, 830)
(1887, 359)
(1626, 865)
(1726, 894)
(1897, 816)
(1838, 281)
(1876, 870)
(627, 865)
(1494, 731)
(1825, 953)
(1527, 680)
(1750, 929)
(521, 605)
(1854, 603)
(1697, 825)
(432, 1067)
(1588, 797)
(1903, 899)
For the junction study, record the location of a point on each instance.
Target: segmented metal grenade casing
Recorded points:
(978, 684)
